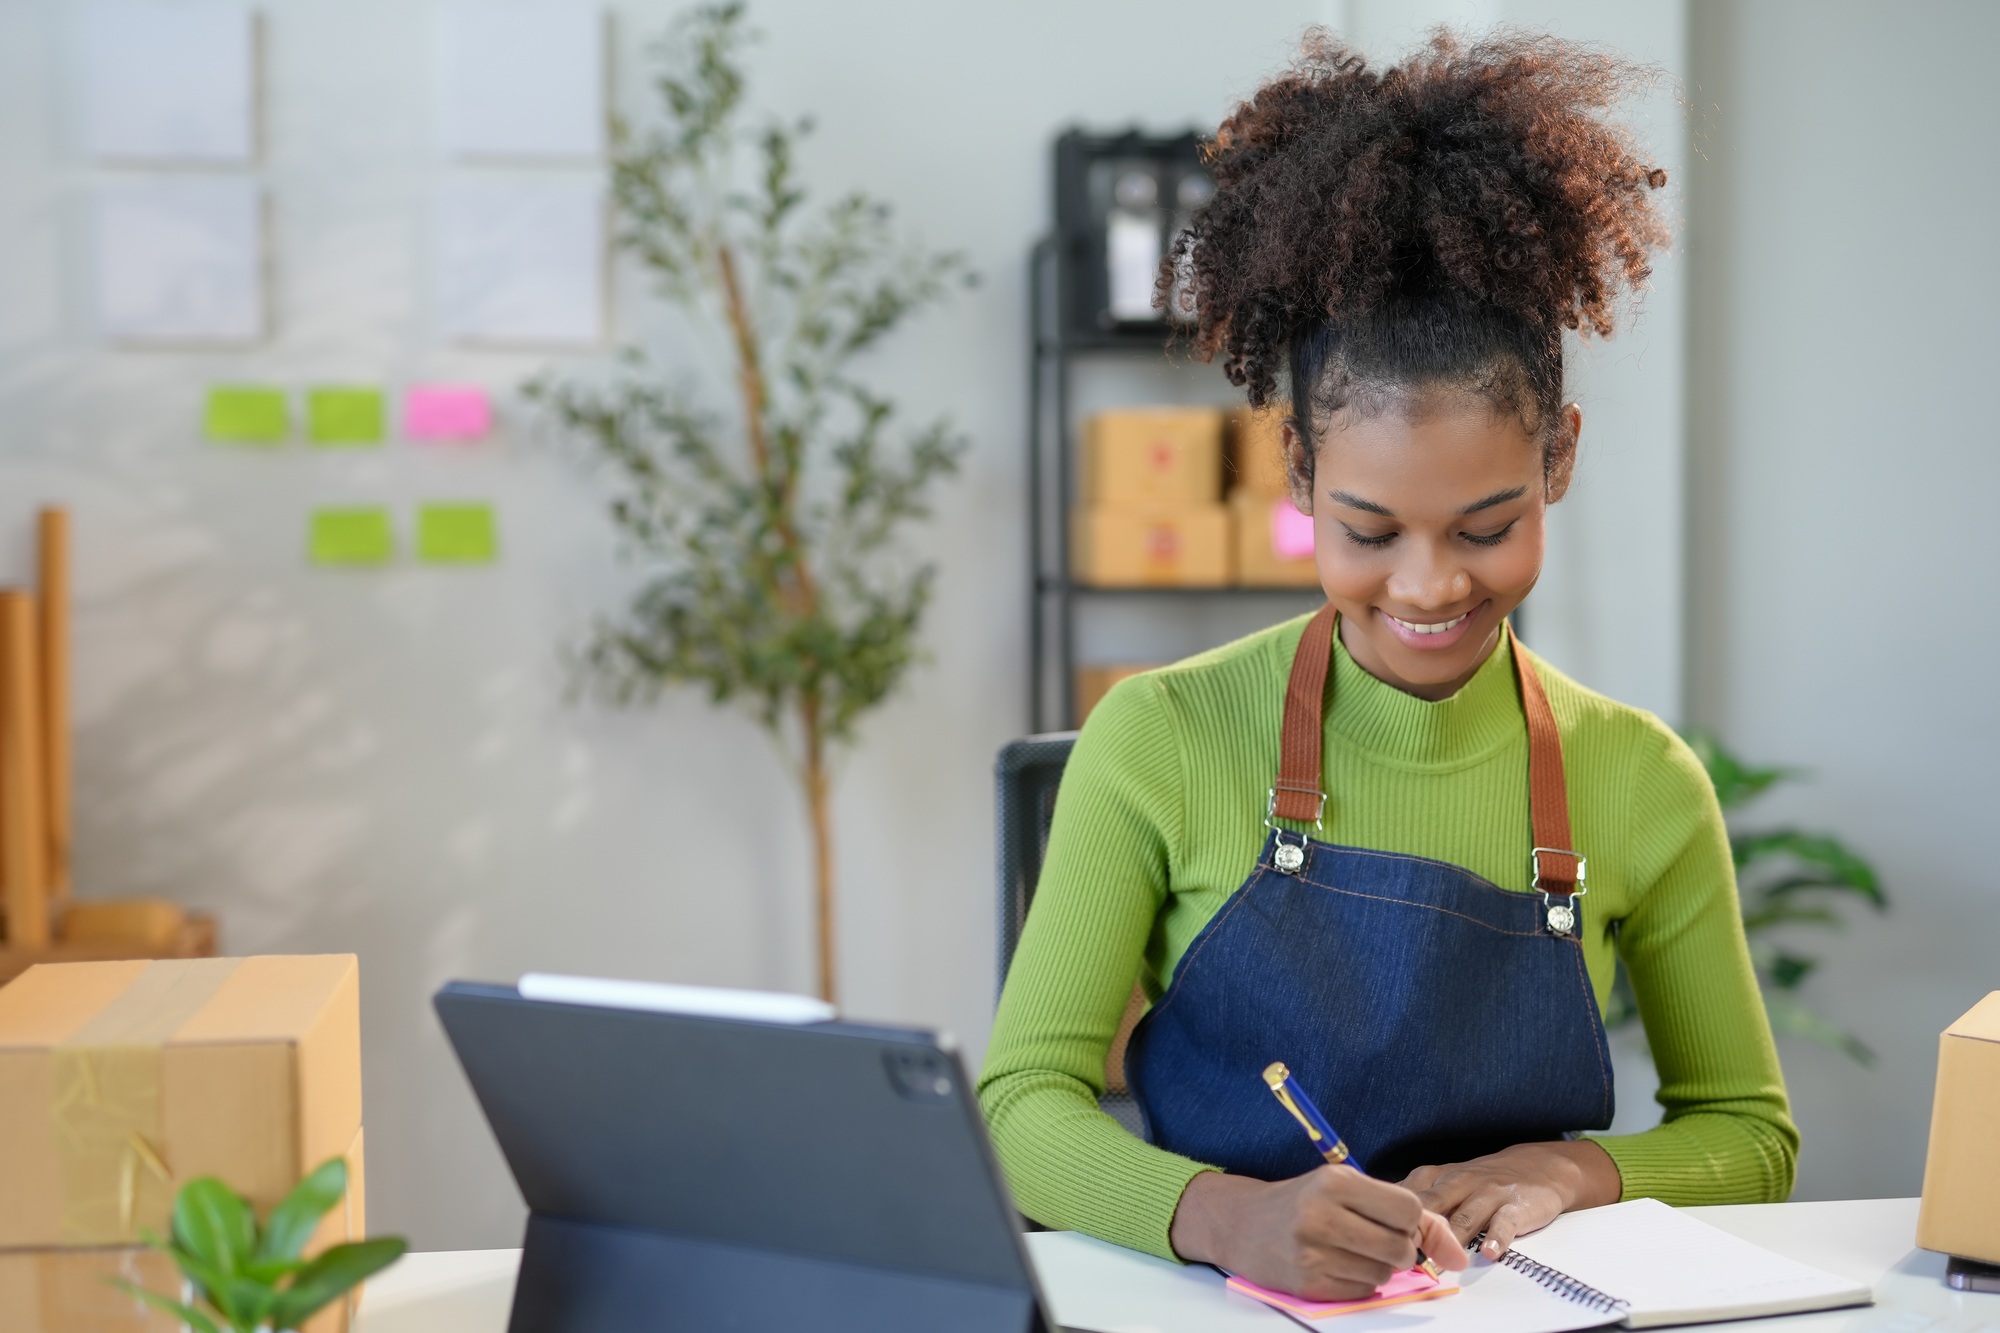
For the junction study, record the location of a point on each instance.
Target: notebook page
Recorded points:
(1092, 1284)
(1669, 1268)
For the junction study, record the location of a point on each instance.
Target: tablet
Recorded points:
(686, 1168)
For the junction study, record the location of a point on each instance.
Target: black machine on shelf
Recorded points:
(1120, 200)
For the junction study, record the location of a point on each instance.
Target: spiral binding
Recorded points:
(1562, 1284)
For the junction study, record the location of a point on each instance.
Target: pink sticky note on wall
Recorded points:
(446, 412)
(1291, 531)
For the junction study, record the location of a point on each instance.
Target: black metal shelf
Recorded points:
(1052, 595)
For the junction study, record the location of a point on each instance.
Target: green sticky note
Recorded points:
(246, 414)
(344, 416)
(457, 534)
(362, 536)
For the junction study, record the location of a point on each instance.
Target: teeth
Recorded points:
(1439, 628)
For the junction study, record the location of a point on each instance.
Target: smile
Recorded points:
(1442, 627)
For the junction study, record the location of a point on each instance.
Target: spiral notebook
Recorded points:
(1640, 1264)
(1643, 1264)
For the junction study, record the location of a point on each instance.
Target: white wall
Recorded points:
(1843, 544)
(383, 762)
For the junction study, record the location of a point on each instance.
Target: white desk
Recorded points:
(1099, 1287)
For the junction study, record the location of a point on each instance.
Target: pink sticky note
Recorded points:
(1291, 531)
(446, 412)
(1412, 1284)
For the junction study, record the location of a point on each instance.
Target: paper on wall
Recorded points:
(456, 534)
(446, 412)
(521, 262)
(180, 260)
(246, 414)
(172, 83)
(344, 416)
(361, 535)
(521, 80)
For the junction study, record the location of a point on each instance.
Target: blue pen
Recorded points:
(1324, 1140)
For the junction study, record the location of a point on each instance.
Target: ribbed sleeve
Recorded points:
(1159, 820)
(1727, 1134)
(1105, 875)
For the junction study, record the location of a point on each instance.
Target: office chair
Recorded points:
(1026, 775)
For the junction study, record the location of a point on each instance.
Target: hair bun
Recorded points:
(1484, 174)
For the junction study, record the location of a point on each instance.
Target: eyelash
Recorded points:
(1487, 539)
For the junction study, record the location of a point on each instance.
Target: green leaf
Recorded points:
(188, 1315)
(330, 1276)
(1832, 864)
(1735, 782)
(292, 1222)
(1791, 1016)
(214, 1224)
(1788, 970)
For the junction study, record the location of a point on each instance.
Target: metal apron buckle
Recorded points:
(1560, 917)
(1287, 859)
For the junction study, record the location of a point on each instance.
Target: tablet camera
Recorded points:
(920, 1075)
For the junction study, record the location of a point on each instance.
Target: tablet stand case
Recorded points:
(696, 1173)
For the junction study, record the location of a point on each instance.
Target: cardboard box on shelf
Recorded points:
(1257, 452)
(1144, 456)
(1094, 682)
(121, 1080)
(1270, 533)
(1179, 546)
(1962, 1168)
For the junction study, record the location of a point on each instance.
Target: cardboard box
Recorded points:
(1962, 1168)
(1094, 682)
(1257, 452)
(1146, 456)
(70, 1291)
(121, 1080)
(1259, 564)
(1188, 546)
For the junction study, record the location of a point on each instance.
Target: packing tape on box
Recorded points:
(106, 1111)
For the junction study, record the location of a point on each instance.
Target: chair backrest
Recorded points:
(1026, 775)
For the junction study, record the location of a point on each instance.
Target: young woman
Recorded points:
(1386, 844)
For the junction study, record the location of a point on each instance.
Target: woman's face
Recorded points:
(1428, 531)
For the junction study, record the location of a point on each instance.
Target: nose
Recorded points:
(1429, 578)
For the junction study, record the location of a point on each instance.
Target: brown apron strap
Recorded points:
(1297, 795)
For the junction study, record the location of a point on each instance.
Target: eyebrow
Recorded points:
(1353, 501)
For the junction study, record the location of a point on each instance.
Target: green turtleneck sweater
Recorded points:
(1160, 819)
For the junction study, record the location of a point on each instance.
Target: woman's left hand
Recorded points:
(1517, 1190)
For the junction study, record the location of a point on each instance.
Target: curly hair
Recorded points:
(1438, 224)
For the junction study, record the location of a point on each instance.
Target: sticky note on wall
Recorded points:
(351, 536)
(246, 414)
(457, 534)
(344, 416)
(446, 412)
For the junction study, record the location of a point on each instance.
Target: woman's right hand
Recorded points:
(1331, 1234)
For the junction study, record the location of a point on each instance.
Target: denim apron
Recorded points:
(1431, 1014)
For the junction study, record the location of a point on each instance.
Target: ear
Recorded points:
(1560, 464)
(1298, 465)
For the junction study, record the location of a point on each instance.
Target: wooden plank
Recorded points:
(196, 940)
(23, 841)
(52, 530)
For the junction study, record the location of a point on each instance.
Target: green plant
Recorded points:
(1785, 878)
(251, 1279)
(773, 580)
